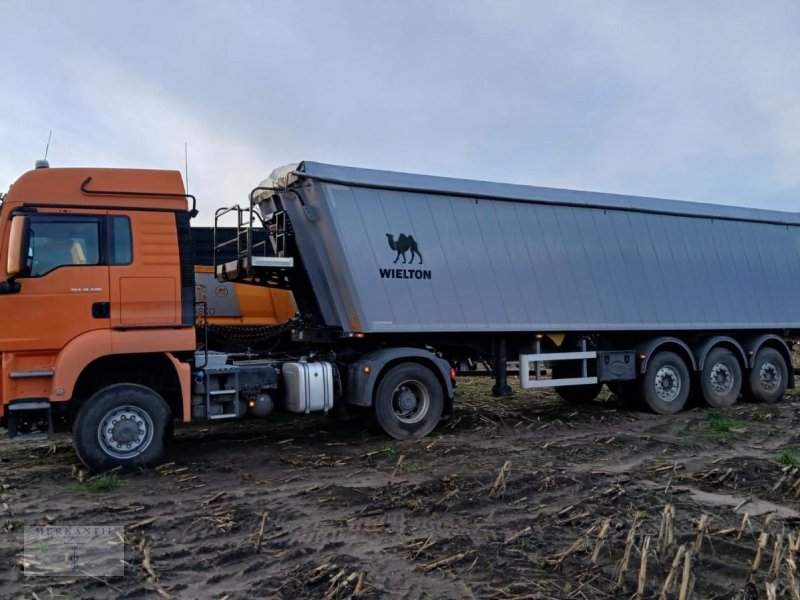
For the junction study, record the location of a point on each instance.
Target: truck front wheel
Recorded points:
(768, 377)
(409, 401)
(122, 425)
(665, 385)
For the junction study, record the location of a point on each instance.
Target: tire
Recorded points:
(409, 401)
(769, 376)
(665, 386)
(578, 394)
(123, 425)
(626, 391)
(721, 378)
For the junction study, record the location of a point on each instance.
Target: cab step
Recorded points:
(23, 414)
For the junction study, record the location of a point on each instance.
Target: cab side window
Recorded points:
(58, 242)
(120, 242)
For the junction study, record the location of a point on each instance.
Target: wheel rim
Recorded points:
(125, 431)
(410, 402)
(667, 383)
(721, 379)
(769, 376)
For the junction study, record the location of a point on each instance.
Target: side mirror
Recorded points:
(17, 245)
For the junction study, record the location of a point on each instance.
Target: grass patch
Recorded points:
(388, 453)
(722, 423)
(409, 466)
(107, 482)
(789, 458)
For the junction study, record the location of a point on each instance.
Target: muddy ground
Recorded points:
(526, 497)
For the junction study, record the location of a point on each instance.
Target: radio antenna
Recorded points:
(47, 147)
(186, 163)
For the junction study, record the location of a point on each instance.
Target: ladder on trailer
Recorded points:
(253, 262)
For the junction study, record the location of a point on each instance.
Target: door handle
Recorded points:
(101, 310)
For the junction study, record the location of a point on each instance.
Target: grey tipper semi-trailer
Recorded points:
(399, 277)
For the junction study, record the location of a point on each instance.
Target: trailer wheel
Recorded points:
(768, 377)
(665, 385)
(123, 425)
(721, 378)
(409, 401)
(578, 394)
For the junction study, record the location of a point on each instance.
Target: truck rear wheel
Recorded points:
(122, 425)
(409, 401)
(768, 377)
(665, 385)
(721, 378)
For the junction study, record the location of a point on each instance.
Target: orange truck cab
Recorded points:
(99, 299)
(97, 293)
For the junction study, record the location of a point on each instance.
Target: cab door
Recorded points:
(64, 289)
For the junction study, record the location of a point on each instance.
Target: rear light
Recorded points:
(452, 373)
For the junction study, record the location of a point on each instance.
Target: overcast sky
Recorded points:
(690, 100)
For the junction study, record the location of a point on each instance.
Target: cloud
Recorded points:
(682, 99)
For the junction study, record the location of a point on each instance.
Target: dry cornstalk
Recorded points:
(643, 567)
(359, 585)
(213, 498)
(334, 589)
(147, 563)
(577, 545)
(791, 575)
(499, 487)
(666, 532)
(702, 525)
(261, 529)
(745, 521)
(141, 523)
(687, 572)
(762, 544)
(320, 572)
(772, 591)
(399, 464)
(518, 534)
(670, 580)
(565, 511)
(622, 565)
(600, 539)
(425, 545)
(443, 562)
(778, 552)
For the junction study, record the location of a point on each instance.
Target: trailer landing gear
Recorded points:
(501, 387)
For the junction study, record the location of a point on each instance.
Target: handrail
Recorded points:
(85, 190)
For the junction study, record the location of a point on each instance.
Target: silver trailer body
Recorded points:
(392, 252)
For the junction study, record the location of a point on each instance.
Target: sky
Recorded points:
(695, 100)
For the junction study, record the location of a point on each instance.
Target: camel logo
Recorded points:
(403, 244)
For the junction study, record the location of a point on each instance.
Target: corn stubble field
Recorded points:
(526, 497)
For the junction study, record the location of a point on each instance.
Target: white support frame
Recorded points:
(525, 361)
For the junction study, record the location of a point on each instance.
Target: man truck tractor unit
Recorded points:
(396, 278)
